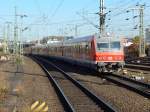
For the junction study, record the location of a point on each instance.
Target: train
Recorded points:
(102, 53)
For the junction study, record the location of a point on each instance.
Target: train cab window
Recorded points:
(102, 46)
(115, 45)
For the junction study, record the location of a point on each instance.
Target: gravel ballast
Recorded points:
(27, 85)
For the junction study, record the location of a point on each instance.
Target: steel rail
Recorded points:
(140, 67)
(136, 86)
(132, 80)
(99, 101)
(65, 102)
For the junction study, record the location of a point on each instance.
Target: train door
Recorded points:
(93, 50)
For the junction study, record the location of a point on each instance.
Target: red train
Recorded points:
(104, 54)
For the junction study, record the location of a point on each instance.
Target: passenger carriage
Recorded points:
(104, 54)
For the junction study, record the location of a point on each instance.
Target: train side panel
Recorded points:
(86, 51)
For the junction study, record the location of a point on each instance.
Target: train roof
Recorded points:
(109, 38)
(55, 43)
(90, 37)
(39, 46)
(80, 39)
(75, 40)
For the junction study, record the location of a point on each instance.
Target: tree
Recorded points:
(136, 40)
(133, 50)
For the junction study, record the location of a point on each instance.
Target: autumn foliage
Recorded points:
(132, 51)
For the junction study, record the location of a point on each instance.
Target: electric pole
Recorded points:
(5, 40)
(18, 43)
(140, 8)
(15, 49)
(141, 32)
(21, 32)
(76, 30)
(8, 36)
(102, 17)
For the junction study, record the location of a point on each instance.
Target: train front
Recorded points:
(109, 54)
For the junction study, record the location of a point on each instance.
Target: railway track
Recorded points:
(73, 95)
(136, 86)
(137, 71)
(133, 85)
(139, 61)
(139, 67)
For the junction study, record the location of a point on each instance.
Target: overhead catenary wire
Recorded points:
(55, 11)
(118, 12)
(121, 12)
(64, 22)
(42, 18)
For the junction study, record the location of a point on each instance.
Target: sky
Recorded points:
(62, 17)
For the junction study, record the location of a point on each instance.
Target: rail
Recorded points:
(136, 86)
(97, 100)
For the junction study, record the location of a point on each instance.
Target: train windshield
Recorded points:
(115, 45)
(102, 46)
(112, 46)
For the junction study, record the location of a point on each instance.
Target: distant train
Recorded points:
(104, 54)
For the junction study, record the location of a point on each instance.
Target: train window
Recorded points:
(80, 48)
(102, 45)
(87, 46)
(115, 45)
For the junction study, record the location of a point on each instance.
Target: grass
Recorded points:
(18, 60)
